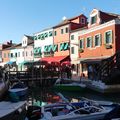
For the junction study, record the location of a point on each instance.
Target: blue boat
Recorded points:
(18, 91)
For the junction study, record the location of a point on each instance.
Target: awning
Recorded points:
(55, 59)
(11, 62)
(92, 61)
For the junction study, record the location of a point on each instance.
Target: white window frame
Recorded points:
(73, 37)
(73, 48)
(98, 41)
(82, 39)
(90, 42)
(110, 42)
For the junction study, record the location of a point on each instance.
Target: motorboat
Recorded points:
(83, 110)
(68, 85)
(17, 91)
(12, 111)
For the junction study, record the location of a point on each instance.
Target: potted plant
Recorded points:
(81, 50)
(108, 46)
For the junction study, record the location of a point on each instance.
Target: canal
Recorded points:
(46, 95)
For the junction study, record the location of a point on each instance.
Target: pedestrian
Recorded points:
(90, 72)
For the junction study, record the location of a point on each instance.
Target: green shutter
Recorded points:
(42, 36)
(45, 48)
(50, 33)
(61, 46)
(39, 50)
(39, 36)
(45, 34)
(49, 48)
(66, 46)
(35, 50)
(54, 48)
(35, 37)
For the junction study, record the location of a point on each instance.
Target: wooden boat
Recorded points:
(70, 111)
(12, 111)
(17, 91)
(68, 85)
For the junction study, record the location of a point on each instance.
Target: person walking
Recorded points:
(90, 72)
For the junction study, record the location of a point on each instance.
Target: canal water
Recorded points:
(41, 96)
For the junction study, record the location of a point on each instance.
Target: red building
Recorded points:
(100, 40)
(62, 35)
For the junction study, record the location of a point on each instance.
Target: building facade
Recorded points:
(100, 40)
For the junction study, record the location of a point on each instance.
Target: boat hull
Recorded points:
(69, 88)
(12, 111)
(18, 94)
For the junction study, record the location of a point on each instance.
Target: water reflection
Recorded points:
(41, 96)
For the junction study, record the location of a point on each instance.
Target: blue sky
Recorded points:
(19, 17)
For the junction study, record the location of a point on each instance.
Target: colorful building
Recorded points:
(100, 40)
(43, 44)
(62, 35)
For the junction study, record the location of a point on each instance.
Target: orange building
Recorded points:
(62, 34)
(100, 40)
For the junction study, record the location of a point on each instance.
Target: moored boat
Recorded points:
(17, 91)
(12, 111)
(67, 85)
(71, 111)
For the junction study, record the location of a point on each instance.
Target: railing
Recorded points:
(108, 65)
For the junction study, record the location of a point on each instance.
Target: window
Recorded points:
(97, 40)
(39, 36)
(4, 55)
(82, 43)
(72, 37)
(18, 54)
(55, 33)
(35, 37)
(8, 55)
(45, 34)
(50, 33)
(89, 42)
(93, 19)
(26, 53)
(11, 55)
(66, 29)
(62, 31)
(72, 50)
(108, 37)
(23, 53)
(83, 20)
(15, 54)
(31, 53)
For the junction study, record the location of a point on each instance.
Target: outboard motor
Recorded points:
(34, 113)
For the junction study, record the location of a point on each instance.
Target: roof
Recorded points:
(67, 21)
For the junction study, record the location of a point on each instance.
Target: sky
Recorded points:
(19, 17)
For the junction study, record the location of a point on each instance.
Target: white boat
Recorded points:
(82, 113)
(68, 85)
(10, 111)
(72, 111)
